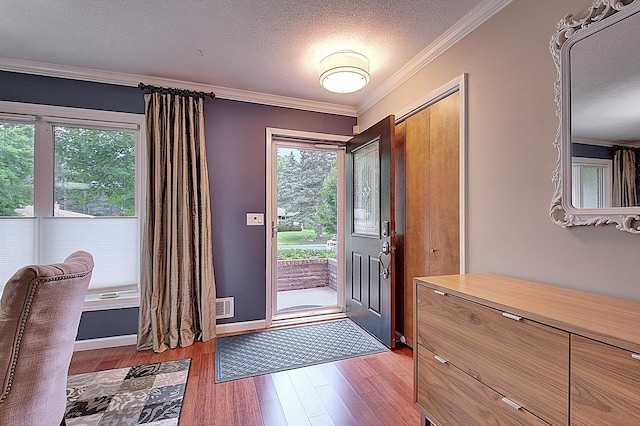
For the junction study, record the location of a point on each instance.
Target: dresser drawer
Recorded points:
(450, 397)
(523, 360)
(605, 384)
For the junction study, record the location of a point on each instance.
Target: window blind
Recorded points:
(112, 241)
(17, 246)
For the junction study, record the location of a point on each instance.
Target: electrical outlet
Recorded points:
(255, 219)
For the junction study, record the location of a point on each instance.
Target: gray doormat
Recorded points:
(265, 352)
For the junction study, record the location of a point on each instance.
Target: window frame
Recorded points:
(45, 118)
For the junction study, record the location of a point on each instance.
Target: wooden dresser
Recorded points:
(493, 350)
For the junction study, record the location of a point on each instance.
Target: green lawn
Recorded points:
(291, 238)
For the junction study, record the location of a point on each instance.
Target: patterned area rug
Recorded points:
(148, 394)
(266, 352)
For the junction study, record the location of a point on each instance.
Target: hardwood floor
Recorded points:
(369, 390)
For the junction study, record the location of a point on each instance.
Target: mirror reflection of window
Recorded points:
(591, 183)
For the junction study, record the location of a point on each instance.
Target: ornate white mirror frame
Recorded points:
(603, 14)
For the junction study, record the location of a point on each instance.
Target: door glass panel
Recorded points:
(366, 189)
(307, 230)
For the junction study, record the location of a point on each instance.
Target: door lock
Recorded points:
(385, 228)
(386, 247)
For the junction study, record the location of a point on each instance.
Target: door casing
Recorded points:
(297, 138)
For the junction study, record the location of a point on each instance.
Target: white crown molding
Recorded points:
(599, 142)
(284, 101)
(123, 79)
(464, 26)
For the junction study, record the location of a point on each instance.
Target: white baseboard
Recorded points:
(105, 342)
(236, 327)
(132, 339)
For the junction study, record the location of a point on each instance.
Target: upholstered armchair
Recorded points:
(39, 315)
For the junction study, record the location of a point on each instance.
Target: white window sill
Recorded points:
(112, 300)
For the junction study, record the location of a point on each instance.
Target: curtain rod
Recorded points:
(172, 91)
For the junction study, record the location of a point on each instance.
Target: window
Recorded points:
(94, 173)
(71, 179)
(591, 183)
(16, 167)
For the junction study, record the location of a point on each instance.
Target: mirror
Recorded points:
(598, 99)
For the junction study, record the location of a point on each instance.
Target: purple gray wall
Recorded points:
(236, 153)
(235, 133)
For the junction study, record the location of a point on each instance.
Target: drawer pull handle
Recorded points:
(441, 293)
(440, 359)
(511, 404)
(635, 356)
(511, 316)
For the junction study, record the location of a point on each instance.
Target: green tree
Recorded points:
(95, 171)
(300, 184)
(16, 167)
(288, 185)
(328, 208)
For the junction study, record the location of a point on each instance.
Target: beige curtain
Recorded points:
(177, 305)
(624, 178)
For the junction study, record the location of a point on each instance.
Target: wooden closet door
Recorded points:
(444, 190)
(432, 217)
(416, 238)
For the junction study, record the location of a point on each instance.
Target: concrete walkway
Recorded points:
(320, 296)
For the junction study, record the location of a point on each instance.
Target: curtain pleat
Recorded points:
(624, 178)
(177, 305)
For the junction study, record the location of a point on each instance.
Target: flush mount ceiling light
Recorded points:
(344, 72)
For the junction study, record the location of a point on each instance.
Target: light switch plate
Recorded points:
(255, 219)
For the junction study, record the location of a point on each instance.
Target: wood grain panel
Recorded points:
(450, 397)
(605, 384)
(523, 360)
(291, 403)
(416, 242)
(607, 319)
(248, 413)
(272, 413)
(361, 412)
(444, 189)
(338, 411)
(307, 394)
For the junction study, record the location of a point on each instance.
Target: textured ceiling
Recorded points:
(605, 88)
(272, 47)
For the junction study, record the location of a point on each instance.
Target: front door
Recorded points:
(370, 236)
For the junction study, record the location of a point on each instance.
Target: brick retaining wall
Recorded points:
(307, 273)
(332, 265)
